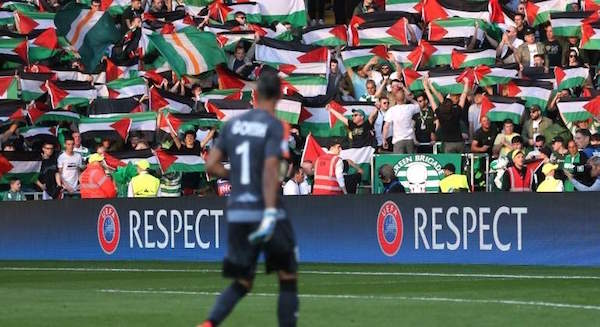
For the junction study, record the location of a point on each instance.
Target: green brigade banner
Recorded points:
(418, 173)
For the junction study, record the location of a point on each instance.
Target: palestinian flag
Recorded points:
(251, 9)
(390, 17)
(52, 117)
(66, 94)
(31, 21)
(126, 88)
(472, 58)
(189, 52)
(498, 108)
(532, 91)
(117, 126)
(358, 56)
(229, 40)
(437, 53)
(288, 110)
(590, 37)
(486, 76)
(386, 33)
(44, 46)
(578, 109)
(292, 11)
(538, 11)
(8, 87)
(305, 85)
(123, 158)
(413, 79)
(568, 24)
(180, 123)
(325, 36)
(90, 32)
(103, 107)
(114, 72)
(22, 165)
(453, 27)
(312, 150)
(227, 94)
(315, 68)
(412, 6)
(6, 18)
(19, 5)
(11, 110)
(160, 99)
(447, 81)
(283, 52)
(70, 75)
(441, 9)
(33, 85)
(316, 119)
(227, 109)
(35, 134)
(13, 49)
(178, 161)
(230, 80)
(569, 78)
(402, 54)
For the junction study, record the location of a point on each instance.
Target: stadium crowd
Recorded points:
(125, 98)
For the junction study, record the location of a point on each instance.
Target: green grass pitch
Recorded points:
(181, 294)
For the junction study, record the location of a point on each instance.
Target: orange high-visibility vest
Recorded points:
(94, 184)
(519, 183)
(325, 180)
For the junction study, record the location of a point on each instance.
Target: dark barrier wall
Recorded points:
(491, 228)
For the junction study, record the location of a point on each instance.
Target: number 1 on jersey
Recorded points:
(244, 150)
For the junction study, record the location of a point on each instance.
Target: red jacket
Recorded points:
(94, 184)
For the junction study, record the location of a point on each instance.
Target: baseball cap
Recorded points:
(514, 155)
(95, 158)
(529, 30)
(143, 164)
(548, 167)
(558, 139)
(360, 111)
(534, 107)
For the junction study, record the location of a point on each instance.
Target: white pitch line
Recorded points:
(313, 272)
(374, 297)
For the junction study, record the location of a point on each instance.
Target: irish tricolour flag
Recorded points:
(89, 31)
(567, 78)
(499, 108)
(578, 109)
(189, 52)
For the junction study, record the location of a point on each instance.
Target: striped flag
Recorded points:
(230, 80)
(398, 19)
(251, 9)
(305, 85)
(90, 32)
(447, 81)
(569, 78)
(590, 37)
(177, 123)
(386, 32)
(288, 110)
(53, 116)
(189, 52)
(325, 35)
(498, 108)
(13, 49)
(34, 134)
(229, 40)
(114, 7)
(44, 46)
(472, 58)
(178, 161)
(413, 79)
(9, 87)
(453, 27)
(26, 23)
(411, 6)
(292, 11)
(532, 91)
(436, 9)
(314, 68)
(579, 109)
(402, 53)
(70, 93)
(104, 106)
(227, 109)
(315, 118)
(568, 24)
(358, 56)
(125, 88)
(22, 165)
(486, 76)
(283, 52)
(6, 17)
(117, 126)
(538, 11)
(160, 99)
(228, 94)
(123, 158)
(33, 85)
(11, 110)
(438, 53)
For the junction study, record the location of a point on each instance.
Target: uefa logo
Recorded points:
(109, 229)
(389, 228)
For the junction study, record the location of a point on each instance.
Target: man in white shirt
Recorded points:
(293, 186)
(78, 147)
(400, 119)
(69, 166)
(383, 105)
(475, 112)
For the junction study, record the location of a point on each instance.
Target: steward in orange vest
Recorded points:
(94, 183)
(329, 173)
(521, 177)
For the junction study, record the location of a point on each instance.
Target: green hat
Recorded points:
(360, 111)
